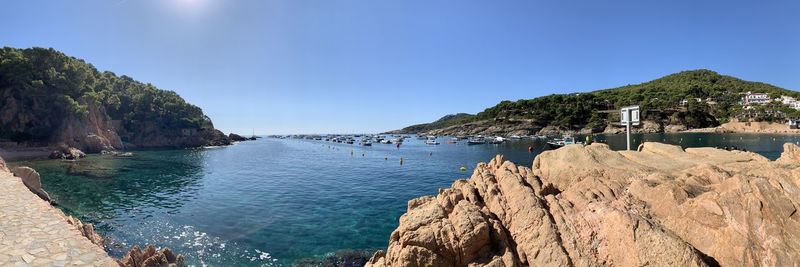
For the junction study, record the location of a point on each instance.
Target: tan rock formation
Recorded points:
(151, 257)
(91, 133)
(32, 180)
(3, 166)
(67, 152)
(86, 230)
(589, 205)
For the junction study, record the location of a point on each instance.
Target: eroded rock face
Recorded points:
(3, 166)
(87, 230)
(151, 257)
(31, 179)
(588, 205)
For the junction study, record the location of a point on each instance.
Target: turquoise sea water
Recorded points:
(278, 201)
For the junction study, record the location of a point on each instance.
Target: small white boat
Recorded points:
(496, 140)
(431, 141)
(366, 142)
(568, 140)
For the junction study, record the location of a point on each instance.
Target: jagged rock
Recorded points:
(589, 206)
(3, 166)
(67, 152)
(86, 230)
(31, 179)
(151, 257)
(791, 153)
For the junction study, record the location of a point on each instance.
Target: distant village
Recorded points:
(751, 100)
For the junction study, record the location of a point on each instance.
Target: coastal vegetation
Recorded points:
(694, 99)
(446, 121)
(44, 93)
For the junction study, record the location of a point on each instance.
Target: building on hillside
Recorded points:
(790, 101)
(793, 123)
(751, 98)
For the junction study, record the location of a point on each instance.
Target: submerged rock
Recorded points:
(589, 205)
(345, 258)
(137, 257)
(31, 179)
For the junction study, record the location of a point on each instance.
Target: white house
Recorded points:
(756, 98)
(790, 101)
(686, 101)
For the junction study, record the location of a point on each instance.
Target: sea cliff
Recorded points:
(49, 99)
(588, 206)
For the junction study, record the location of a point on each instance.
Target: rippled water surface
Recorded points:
(274, 202)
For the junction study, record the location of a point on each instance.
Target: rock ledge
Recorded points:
(589, 205)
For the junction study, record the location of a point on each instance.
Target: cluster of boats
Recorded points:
(368, 140)
(364, 140)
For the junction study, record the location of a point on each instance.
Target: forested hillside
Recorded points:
(47, 97)
(662, 101)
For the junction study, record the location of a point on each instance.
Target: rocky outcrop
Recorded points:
(151, 257)
(674, 128)
(92, 133)
(588, 206)
(67, 152)
(236, 138)
(531, 127)
(3, 167)
(31, 179)
(87, 230)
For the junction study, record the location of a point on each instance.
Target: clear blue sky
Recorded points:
(300, 66)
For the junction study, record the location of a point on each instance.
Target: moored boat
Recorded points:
(557, 143)
(478, 140)
(431, 141)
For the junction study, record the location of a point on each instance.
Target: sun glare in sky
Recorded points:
(190, 7)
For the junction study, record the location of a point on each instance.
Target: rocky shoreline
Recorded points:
(589, 205)
(748, 127)
(529, 128)
(20, 247)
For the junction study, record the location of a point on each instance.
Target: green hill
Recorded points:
(446, 121)
(50, 98)
(660, 99)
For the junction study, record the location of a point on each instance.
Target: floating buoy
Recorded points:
(430, 154)
(385, 158)
(362, 154)
(401, 160)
